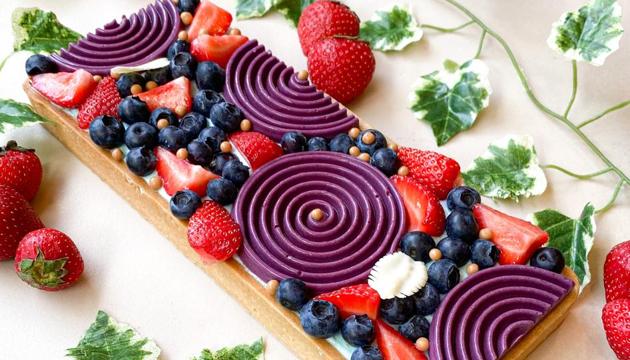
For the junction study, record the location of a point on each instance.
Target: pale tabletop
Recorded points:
(137, 276)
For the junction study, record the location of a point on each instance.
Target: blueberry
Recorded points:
(132, 110)
(397, 310)
(368, 352)
(341, 143)
(461, 223)
(192, 124)
(213, 137)
(187, 5)
(172, 138)
(183, 64)
(417, 245)
(484, 253)
(415, 328)
(107, 132)
(292, 294)
(548, 258)
(141, 161)
(455, 249)
(444, 275)
(40, 64)
(210, 76)
(141, 134)
(378, 142)
(219, 162)
(163, 113)
(226, 116)
(462, 197)
(385, 160)
(358, 330)
(426, 300)
(222, 191)
(199, 153)
(293, 142)
(204, 100)
(126, 81)
(319, 318)
(161, 76)
(236, 172)
(317, 144)
(184, 203)
(177, 47)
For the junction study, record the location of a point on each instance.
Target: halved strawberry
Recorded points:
(516, 239)
(354, 300)
(213, 233)
(218, 49)
(211, 18)
(178, 174)
(65, 89)
(104, 100)
(434, 171)
(394, 346)
(170, 95)
(424, 212)
(256, 147)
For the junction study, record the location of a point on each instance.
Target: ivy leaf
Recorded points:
(246, 9)
(255, 351)
(573, 237)
(107, 339)
(39, 31)
(450, 99)
(507, 170)
(14, 114)
(292, 9)
(391, 30)
(589, 34)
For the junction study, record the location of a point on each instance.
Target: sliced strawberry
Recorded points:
(424, 212)
(354, 300)
(178, 174)
(170, 95)
(434, 171)
(65, 89)
(516, 239)
(104, 100)
(394, 346)
(213, 233)
(256, 147)
(211, 18)
(218, 49)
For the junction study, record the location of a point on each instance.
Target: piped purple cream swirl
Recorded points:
(143, 37)
(277, 101)
(489, 312)
(363, 219)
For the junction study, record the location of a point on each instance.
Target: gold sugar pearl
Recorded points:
(117, 154)
(226, 147)
(203, 32)
(422, 344)
(136, 89)
(113, 74)
(234, 31)
(155, 183)
(302, 75)
(485, 234)
(364, 157)
(317, 214)
(186, 17)
(403, 171)
(181, 110)
(271, 287)
(354, 151)
(354, 133)
(150, 85)
(162, 123)
(182, 35)
(97, 78)
(176, 2)
(435, 254)
(393, 147)
(246, 125)
(368, 138)
(182, 154)
(472, 268)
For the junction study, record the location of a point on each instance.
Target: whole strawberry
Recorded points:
(323, 19)
(341, 67)
(434, 171)
(617, 272)
(103, 101)
(213, 233)
(616, 319)
(47, 259)
(20, 169)
(17, 218)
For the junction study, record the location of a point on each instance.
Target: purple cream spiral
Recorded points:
(143, 37)
(363, 219)
(489, 312)
(277, 101)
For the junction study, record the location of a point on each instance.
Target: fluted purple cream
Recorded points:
(489, 312)
(363, 219)
(135, 40)
(277, 101)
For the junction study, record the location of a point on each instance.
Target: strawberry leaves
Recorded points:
(253, 351)
(40, 272)
(392, 29)
(14, 114)
(39, 31)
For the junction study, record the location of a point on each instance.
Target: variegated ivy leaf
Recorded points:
(292, 9)
(255, 351)
(246, 9)
(14, 114)
(589, 34)
(450, 99)
(39, 31)
(507, 170)
(573, 237)
(391, 29)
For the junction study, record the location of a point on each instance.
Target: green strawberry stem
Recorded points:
(40, 272)
(446, 30)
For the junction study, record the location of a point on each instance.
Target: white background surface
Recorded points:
(135, 274)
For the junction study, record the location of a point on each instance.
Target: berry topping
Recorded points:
(104, 100)
(176, 48)
(484, 253)
(317, 144)
(434, 171)
(548, 258)
(617, 272)
(368, 352)
(397, 310)
(356, 299)
(341, 143)
(255, 147)
(424, 211)
(371, 140)
(426, 300)
(192, 124)
(385, 160)
(210, 18)
(462, 197)
(141, 134)
(126, 81)
(415, 328)
(132, 110)
(393, 345)
(213, 233)
(204, 101)
(222, 191)
(163, 113)
(292, 294)
(171, 95)
(141, 161)
(417, 245)
(218, 49)
(324, 19)
(172, 138)
(616, 319)
(293, 142)
(107, 132)
(236, 172)
(158, 76)
(65, 89)
(461, 224)
(210, 76)
(184, 204)
(183, 64)
(358, 330)
(40, 64)
(444, 275)
(226, 116)
(455, 249)
(177, 174)
(17, 218)
(319, 318)
(213, 137)
(21, 170)
(199, 153)
(219, 162)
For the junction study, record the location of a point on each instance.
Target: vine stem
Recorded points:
(574, 88)
(480, 46)
(447, 30)
(578, 176)
(530, 93)
(613, 198)
(619, 106)
(4, 61)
